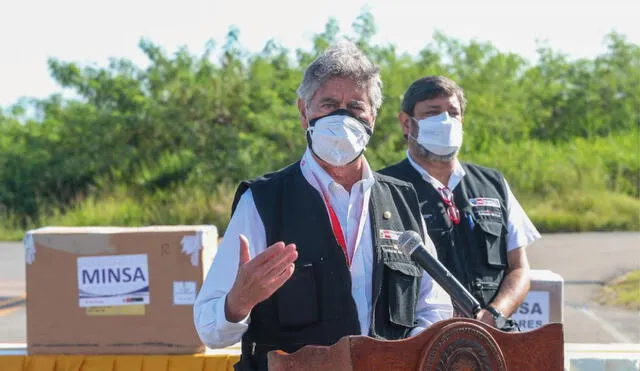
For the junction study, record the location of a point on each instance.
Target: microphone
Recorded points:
(411, 244)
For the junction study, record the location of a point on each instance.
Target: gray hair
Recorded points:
(343, 59)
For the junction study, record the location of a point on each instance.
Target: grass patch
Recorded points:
(579, 211)
(582, 212)
(10, 229)
(623, 291)
(574, 186)
(11, 234)
(181, 206)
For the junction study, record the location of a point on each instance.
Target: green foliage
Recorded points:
(581, 212)
(543, 169)
(184, 206)
(166, 143)
(10, 228)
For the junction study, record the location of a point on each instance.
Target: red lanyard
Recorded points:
(337, 230)
(452, 211)
(336, 227)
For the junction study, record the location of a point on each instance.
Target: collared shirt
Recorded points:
(352, 210)
(520, 230)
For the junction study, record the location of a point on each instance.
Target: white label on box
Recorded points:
(184, 292)
(534, 311)
(113, 280)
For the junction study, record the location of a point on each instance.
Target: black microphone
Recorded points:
(411, 244)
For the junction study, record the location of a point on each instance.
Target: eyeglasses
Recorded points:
(452, 211)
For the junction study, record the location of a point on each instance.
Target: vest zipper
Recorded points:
(377, 265)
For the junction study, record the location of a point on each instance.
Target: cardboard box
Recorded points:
(111, 290)
(544, 302)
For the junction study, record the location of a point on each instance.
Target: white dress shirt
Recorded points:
(352, 210)
(520, 230)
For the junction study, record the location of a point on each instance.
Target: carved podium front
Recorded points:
(457, 344)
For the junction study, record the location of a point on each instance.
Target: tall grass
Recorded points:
(10, 227)
(580, 212)
(182, 206)
(536, 168)
(582, 185)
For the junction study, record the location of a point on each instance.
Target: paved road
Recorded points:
(12, 288)
(585, 260)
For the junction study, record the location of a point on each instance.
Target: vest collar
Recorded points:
(318, 177)
(455, 178)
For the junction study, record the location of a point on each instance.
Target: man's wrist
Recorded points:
(491, 309)
(498, 317)
(232, 311)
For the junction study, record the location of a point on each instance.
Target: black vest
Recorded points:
(315, 305)
(475, 250)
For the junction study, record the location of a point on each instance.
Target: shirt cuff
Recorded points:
(522, 239)
(226, 326)
(415, 331)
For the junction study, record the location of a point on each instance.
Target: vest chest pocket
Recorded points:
(492, 241)
(402, 283)
(437, 226)
(297, 299)
(436, 219)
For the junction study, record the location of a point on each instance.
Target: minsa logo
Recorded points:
(99, 276)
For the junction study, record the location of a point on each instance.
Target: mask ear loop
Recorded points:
(409, 136)
(415, 140)
(308, 134)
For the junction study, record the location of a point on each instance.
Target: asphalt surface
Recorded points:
(586, 261)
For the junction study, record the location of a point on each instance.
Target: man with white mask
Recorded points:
(310, 254)
(478, 227)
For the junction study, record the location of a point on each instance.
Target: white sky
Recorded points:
(87, 31)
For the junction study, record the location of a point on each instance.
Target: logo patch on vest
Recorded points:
(393, 249)
(487, 202)
(490, 213)
(388, 234)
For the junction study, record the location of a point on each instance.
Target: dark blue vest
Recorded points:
(475, 250)
(316, 306)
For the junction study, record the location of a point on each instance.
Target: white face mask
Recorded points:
(441, 134)
(338, 138)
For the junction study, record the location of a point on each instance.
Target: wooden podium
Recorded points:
(457, 344)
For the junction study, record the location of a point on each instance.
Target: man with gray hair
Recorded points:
(479, 229)
(310, 254)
